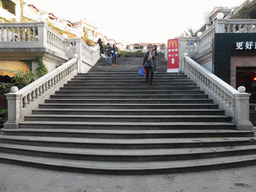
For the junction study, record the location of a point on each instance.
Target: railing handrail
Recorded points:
(235, 21)
(4, 25)
(212, 77)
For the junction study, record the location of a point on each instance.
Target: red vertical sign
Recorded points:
(173, 53)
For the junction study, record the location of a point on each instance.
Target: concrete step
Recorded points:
(127, 96)
(127, 155)
(129, 111)
(142, 86)
(103, 143)
(124, 91)
(128, 106)
(129, 125)
(126, 134)
(130, 78)
(131, 168)
(130, 118)
(133, 83)
(128, 81)
(126, 74)
(131, 101)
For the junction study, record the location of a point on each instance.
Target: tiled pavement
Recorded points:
(14, 178)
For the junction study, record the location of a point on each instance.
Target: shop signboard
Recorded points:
(173, 54)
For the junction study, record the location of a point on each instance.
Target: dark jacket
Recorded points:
(115, 53)
(155, 53)
(100, 43)
(148, 62)
(109, 51)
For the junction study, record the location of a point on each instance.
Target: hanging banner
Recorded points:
(173, 54)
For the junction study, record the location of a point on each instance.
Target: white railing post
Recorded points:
(182, 47)
(79, 52)
(14, 108)
(42, 34)
(242, 110)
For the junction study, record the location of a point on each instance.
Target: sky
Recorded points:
(134, 21)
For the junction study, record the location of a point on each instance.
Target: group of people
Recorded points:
(149, 63)
(111, 53)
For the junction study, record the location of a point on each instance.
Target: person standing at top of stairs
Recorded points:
(101, 46)
(109, 52)
(115, 54)
(148, 63)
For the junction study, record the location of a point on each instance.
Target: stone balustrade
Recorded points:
(235, 26)
(235, 103)
(31, 36)
(39, 36)
(25, 32)
(202, 45)
(21, 102)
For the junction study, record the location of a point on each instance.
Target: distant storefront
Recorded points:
(234, 60)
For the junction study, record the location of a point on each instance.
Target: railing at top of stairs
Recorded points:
(234, 102)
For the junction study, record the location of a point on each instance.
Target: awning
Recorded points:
(8, 67)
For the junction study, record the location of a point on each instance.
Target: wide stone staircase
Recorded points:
(110, 121)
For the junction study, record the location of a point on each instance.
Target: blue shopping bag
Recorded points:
(141, 71)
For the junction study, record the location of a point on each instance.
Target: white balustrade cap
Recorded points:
(14, 89)
(241, 89)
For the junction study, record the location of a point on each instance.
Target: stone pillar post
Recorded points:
(14, 109)
(182, 51)
(79, 52)
(242, 110)
(42, 34)
(220, 26)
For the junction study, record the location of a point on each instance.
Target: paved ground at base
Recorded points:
(14, 178)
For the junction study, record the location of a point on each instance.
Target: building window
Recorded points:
(8, 5)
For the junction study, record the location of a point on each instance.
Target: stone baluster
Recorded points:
(29, 37)
(7, 34)
(23, 34)
(18, 33)
(234, 28)
(12, 38)
(239, 28)
(228, 28)
(34, 34)
(2, 35)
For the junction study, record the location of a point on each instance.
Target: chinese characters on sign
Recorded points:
(247, 45)
(173, 53)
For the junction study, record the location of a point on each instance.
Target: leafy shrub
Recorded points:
(21, 79)
(3, 116)
(5, 88)
(41, 70)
